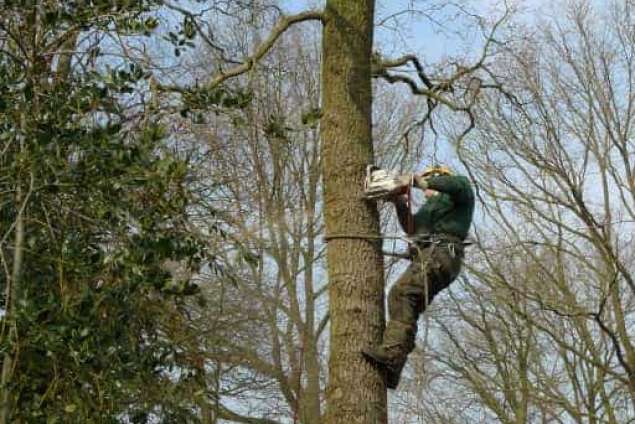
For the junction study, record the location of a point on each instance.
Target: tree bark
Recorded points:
(355, 393)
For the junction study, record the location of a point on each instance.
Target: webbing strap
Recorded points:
(410, 219)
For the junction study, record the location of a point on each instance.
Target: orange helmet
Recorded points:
(437, 170)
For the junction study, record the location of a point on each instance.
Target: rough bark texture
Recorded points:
(355, 393)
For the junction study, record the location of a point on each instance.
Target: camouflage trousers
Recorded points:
(432, 269)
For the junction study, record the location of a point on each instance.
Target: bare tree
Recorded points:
(539, 331)
(264, 325)
(354, 250)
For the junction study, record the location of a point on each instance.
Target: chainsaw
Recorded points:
(381, 183)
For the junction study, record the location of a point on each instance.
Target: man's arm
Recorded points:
(456, 186)
(403, 213)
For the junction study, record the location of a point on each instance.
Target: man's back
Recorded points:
(450, 212)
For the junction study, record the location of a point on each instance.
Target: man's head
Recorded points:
(435, 171)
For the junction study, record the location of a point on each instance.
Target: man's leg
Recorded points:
(430, 272)
(399, 336)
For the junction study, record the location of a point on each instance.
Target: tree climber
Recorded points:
(437, 232)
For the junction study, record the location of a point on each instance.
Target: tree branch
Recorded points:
(281, 26)
(199, 29)
(322, 325)
(232, 416)
(434, 91)
(614, 340)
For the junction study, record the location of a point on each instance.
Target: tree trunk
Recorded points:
(355, 393)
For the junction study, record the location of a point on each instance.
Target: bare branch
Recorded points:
(322, 325)
(227, 414)
(434, 92)
(281, 26)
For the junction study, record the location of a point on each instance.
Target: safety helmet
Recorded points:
(437, 170)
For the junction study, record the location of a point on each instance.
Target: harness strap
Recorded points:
(410, 219)
(330, 237)
(423, 239)
(414, 245)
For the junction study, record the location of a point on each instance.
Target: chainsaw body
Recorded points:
(382, 183)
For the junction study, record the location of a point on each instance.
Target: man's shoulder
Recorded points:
(464, 179)
(456, 178)
(466, 186)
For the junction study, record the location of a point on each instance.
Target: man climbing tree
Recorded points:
(437, 231)
(351, 223)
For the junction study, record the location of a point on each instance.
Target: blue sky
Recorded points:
(433, 34)
(437, 31)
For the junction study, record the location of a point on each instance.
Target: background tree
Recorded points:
(539, 329)
(94, 205)
(87, 120)
(268, 157)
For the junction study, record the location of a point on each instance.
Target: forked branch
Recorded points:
(261, 50)
(443, 91)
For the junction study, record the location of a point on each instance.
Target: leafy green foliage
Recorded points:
(312, 117)
(204, 98)
(105, 202)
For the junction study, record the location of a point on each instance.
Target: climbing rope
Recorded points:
(417, 241)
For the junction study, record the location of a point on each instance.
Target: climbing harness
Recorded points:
(416, 243)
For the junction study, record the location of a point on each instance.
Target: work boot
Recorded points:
(389, 361)
(393, 375)
(391, 355)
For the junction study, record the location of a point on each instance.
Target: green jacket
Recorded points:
(449, 212)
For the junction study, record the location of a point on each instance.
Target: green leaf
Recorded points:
(312, 117)
(151, 23)
(189, 29)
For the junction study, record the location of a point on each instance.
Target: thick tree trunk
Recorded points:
(356, 393)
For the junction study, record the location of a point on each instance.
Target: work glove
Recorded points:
(420, 181)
